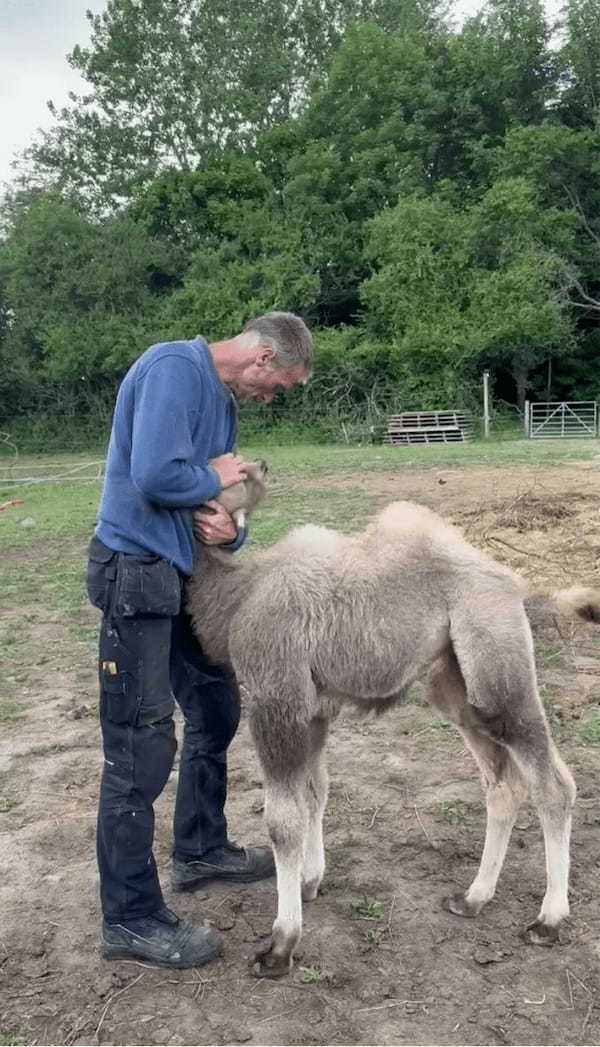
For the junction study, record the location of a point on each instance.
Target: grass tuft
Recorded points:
(11, 710)
(371, 908)
(310, 975)
(589, 730)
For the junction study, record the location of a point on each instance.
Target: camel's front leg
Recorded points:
(286, 814)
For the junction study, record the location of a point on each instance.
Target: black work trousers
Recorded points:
(149, 658)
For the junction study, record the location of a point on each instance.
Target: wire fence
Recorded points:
(24, 472)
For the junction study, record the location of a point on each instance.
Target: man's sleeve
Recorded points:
(169, 401)
(235, 543)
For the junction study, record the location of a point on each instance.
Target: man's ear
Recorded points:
(264, 355)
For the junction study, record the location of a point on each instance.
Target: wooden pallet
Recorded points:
(419, 427)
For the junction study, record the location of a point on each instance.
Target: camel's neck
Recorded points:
(219, 586)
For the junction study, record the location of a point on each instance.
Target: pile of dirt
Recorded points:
(529, 512)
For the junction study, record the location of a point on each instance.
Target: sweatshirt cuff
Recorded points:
(236, 542)
(217, 479)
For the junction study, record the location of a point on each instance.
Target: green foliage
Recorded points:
(488, 288)
(371, 908)
(580, 102)
(173, 82)
(10, 710)
(427, 199)
(83, 299)
(450, 811)
(311, 975)
(374, 936)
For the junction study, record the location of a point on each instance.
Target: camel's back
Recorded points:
(407, 548)
(307, 558)
(404, 535)
(414, 533)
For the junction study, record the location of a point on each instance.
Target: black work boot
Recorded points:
(161, 938)
(231, 862)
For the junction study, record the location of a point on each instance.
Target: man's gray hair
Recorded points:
(287, 335)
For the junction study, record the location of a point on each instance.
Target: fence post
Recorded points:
(526, 417)
(486, 403)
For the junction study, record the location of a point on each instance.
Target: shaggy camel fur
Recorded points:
(323, 618)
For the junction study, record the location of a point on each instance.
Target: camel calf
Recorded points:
(323, 618)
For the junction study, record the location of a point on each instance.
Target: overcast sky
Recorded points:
(35, 37)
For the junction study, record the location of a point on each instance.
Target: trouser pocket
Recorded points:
(101, 572)
(147, 585)
(135, 686)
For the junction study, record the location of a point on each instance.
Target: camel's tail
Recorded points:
(577, 602)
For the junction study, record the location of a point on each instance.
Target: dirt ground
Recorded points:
(380, 961)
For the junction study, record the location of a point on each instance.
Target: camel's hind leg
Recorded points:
(505, 788)
(505, 791)
(503, 723)
(316, 784)
(553, 792)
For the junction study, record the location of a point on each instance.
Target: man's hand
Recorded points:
(212, 523)
(230, 467)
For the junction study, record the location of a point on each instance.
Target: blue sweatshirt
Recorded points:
(172, 414)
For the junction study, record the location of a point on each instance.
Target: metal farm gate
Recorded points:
(552, 421)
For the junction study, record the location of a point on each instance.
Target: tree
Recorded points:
(367, 135)
(82, 297)
(455, 289)
(498, 72)
(580, 99)
(173, 82)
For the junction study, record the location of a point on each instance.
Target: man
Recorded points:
(170, 452)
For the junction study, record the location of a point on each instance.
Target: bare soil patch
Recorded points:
(380, 962)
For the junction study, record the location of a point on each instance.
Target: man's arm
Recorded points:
(169, 398)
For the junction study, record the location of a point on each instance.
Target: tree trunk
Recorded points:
(521, 375)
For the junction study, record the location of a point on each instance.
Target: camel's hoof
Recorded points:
(268, 964)
(458, 904)
(539, 933)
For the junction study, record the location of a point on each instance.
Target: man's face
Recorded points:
(261, 380)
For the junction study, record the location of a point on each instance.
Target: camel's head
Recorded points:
(240, 499)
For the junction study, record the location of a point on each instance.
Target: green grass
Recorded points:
(550, 656)
(10, 710)
(332, 885)
(310, 975)
(11, 1038)
(553, 706)
(374, 936)
(346, 509)
(328, 459)
(371, 908)
(450, 811)
(45, 565)
(589, 730)
(61, 510)
(8, 801)
(435, 726)
(66, 510)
